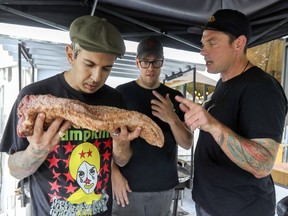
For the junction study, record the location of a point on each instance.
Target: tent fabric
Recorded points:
(175, 23)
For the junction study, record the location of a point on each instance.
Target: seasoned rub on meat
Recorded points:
(86, 116)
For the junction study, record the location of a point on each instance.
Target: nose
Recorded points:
(87, 181)
(203, 51)
(96, 75)
(151, 66)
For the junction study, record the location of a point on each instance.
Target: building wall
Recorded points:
(8, 200)
(269, 57)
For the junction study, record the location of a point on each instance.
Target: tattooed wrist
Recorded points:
(39, 152)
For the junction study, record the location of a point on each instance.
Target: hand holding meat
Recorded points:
(86, 116)
(42, 142)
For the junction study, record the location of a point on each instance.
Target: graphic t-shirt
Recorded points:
(75, 179)
(79, 174)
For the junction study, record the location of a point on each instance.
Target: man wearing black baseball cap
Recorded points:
(229, 21)
(149, 46)
(145, 186)
(241, 125)
(69, 168)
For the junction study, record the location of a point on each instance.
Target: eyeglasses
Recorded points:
(156, 64)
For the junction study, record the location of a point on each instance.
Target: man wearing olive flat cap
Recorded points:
(67, 167)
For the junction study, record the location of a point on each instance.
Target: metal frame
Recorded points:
(22, 51)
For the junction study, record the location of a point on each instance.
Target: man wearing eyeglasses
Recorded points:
(151, 173)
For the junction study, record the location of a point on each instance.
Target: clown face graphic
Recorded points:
(87, 176)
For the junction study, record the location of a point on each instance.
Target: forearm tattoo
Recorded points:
(23, 165)
(256, 155)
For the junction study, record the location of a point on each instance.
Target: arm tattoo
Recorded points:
(257, 155)
(23, 165)
(221, 139)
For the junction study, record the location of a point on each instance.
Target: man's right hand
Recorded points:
(120, 186)
(45, 141)
(41, 143)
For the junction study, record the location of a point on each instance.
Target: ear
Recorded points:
(137, 63)
(69, 54)
(240, 43)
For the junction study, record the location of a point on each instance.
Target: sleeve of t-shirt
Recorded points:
(263, 112)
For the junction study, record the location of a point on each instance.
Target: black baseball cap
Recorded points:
(149, 46)
(229, 21)
(96, 34)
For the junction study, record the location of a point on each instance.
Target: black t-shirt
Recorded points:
(56, 188)
(253, 105)
(151, 168)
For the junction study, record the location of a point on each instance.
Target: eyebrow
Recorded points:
(108, 66)
(152, 59)
(97, 64)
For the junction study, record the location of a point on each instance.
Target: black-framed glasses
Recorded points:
(156, 63)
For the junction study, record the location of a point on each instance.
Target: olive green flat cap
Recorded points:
(96, 34)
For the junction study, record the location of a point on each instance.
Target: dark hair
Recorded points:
(232, 38)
